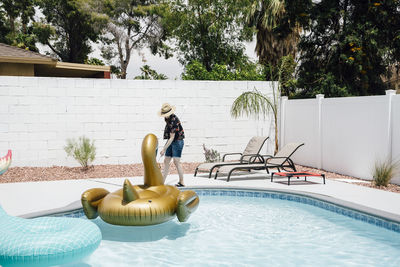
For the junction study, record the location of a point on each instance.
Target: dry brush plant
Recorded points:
(83, 150)
(211, 155)
(384, 171)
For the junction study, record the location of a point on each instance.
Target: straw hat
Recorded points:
(166, 110)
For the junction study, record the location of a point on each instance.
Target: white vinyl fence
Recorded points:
(344, 135)
(38, 115)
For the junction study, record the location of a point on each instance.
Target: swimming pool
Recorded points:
(253, 228)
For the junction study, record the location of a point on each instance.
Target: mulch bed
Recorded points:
(34, 174)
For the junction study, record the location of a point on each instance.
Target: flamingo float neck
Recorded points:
(152, 173)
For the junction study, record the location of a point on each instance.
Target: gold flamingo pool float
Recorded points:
(151, 203)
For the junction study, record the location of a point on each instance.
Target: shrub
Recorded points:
(82, 150)
(94, 61)
(150, 74)
(247, 71)
(384, 172)
(211, 154)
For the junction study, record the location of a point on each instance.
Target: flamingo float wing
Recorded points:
(5, 162)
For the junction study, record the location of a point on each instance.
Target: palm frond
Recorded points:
(252, 103)
(271, 47)
(274, 10)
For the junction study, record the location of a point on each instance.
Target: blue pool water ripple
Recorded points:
(244, 229)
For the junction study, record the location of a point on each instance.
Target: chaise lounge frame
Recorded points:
(286, 163)
(252, 158)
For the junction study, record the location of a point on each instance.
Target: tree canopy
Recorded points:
(276, 34)
(348, 46)
(210, 32)
(131, 25)
(15, 23)
(246, 72)
(67, 29)
(149, 74)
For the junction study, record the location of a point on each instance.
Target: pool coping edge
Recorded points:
(329, 199)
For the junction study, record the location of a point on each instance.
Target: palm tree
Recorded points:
(255, 103)
(266, 16)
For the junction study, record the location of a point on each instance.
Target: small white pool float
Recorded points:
(45, 241)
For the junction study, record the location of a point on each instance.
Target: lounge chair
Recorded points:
(280, 161)
(251, 154)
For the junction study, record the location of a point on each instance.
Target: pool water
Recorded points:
(249, 231)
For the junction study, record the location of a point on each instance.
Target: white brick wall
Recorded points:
(37, 115)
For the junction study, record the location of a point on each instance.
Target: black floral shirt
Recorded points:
(173, 125)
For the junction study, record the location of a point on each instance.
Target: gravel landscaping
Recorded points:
(34, 174)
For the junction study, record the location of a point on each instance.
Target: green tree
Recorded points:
(94, 61)
(150, 74)
(16, 26)
(68, 28)
(249, 71)
(286, 75)
(210, 32)
(277, 35)
(4, 30)
(348, 47)
(131, 25)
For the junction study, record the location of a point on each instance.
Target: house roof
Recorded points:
(48, 66)
(14, 54)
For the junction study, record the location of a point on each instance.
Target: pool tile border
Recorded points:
(348, 212)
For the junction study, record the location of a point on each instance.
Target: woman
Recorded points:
(173, 148)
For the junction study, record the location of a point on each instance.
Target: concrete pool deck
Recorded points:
(20, 199)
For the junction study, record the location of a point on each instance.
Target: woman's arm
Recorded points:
(171, 138)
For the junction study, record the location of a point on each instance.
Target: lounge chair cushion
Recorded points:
(208, 165)
(254, 146)
(228, 168)
(285, 152)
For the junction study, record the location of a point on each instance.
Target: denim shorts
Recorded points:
(175, 149)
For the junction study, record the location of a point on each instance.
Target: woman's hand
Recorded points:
(171, 138)
(162, 152)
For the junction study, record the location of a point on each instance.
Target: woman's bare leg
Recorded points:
(167, 161)
(177, 162)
